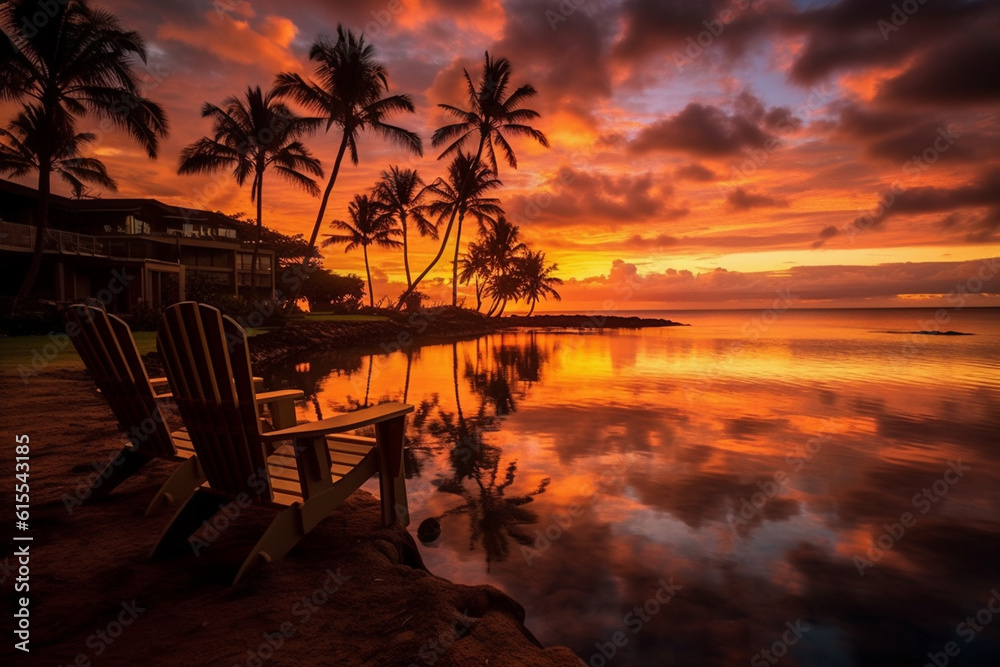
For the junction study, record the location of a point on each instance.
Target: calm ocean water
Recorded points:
(799, 488)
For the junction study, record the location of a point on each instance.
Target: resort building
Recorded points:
(163, 251)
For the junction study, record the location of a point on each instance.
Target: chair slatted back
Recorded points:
(215, 396)
(108, 349)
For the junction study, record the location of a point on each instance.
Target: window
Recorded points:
(224, 233)
(134, 225)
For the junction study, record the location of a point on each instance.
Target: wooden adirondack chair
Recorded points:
(108, 349)
(207, 364)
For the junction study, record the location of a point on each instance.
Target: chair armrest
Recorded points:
(159, 384)
(284, 394)
(345, 422)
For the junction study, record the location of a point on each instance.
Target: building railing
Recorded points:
(22, 237)
(16, 235)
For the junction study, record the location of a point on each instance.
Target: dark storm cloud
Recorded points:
(859, 34)
(567, 60)
(676, 27)
(575, 196)
(706, 130)
(963, 70)
(695, 172)
(742, 199)
(973, 209)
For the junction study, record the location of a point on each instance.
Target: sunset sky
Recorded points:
(703, 154)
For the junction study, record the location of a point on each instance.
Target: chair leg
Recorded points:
(391, 473)
(128, 462)
(185, 481)
(189, 517)
(280, 537)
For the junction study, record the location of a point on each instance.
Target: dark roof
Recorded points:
(122, 205)
(26, 192)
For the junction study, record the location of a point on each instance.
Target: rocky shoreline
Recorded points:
(351, 593)
(423, 328)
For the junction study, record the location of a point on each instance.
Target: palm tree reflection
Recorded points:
(495, 517)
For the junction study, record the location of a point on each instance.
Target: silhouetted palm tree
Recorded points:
(475, 265)
(537, 281)
(19, 153)
(462, 194)
(402, 191)
(249, 136)
(349, 92)
(492, 114)
(370, 224)
(78, 62)
(503, 288)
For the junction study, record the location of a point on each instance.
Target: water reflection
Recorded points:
(583, 470)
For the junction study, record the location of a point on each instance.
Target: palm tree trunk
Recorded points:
(368, 385)
(406, 250)
(293, 296)
(409, 364)
(41, 225)
(454, 375)
(447, 232)
(502, 307)
(532, 309)
(256, 245)
(454, 266)
(371, 294)
(479, 295)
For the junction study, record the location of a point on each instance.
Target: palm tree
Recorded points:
(251, 135)
(502, 289)
(475, 265)
(461, 194)
(349, 93)
(494, 256)
(19, 155)
(401, 192)
(78, 62)
(370, 224)
(537, 281)
(492, 114)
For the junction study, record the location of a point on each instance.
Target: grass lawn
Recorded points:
(38, 353)
(330, 317)
(44, 353)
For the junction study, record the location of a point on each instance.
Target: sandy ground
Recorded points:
(351, 593)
